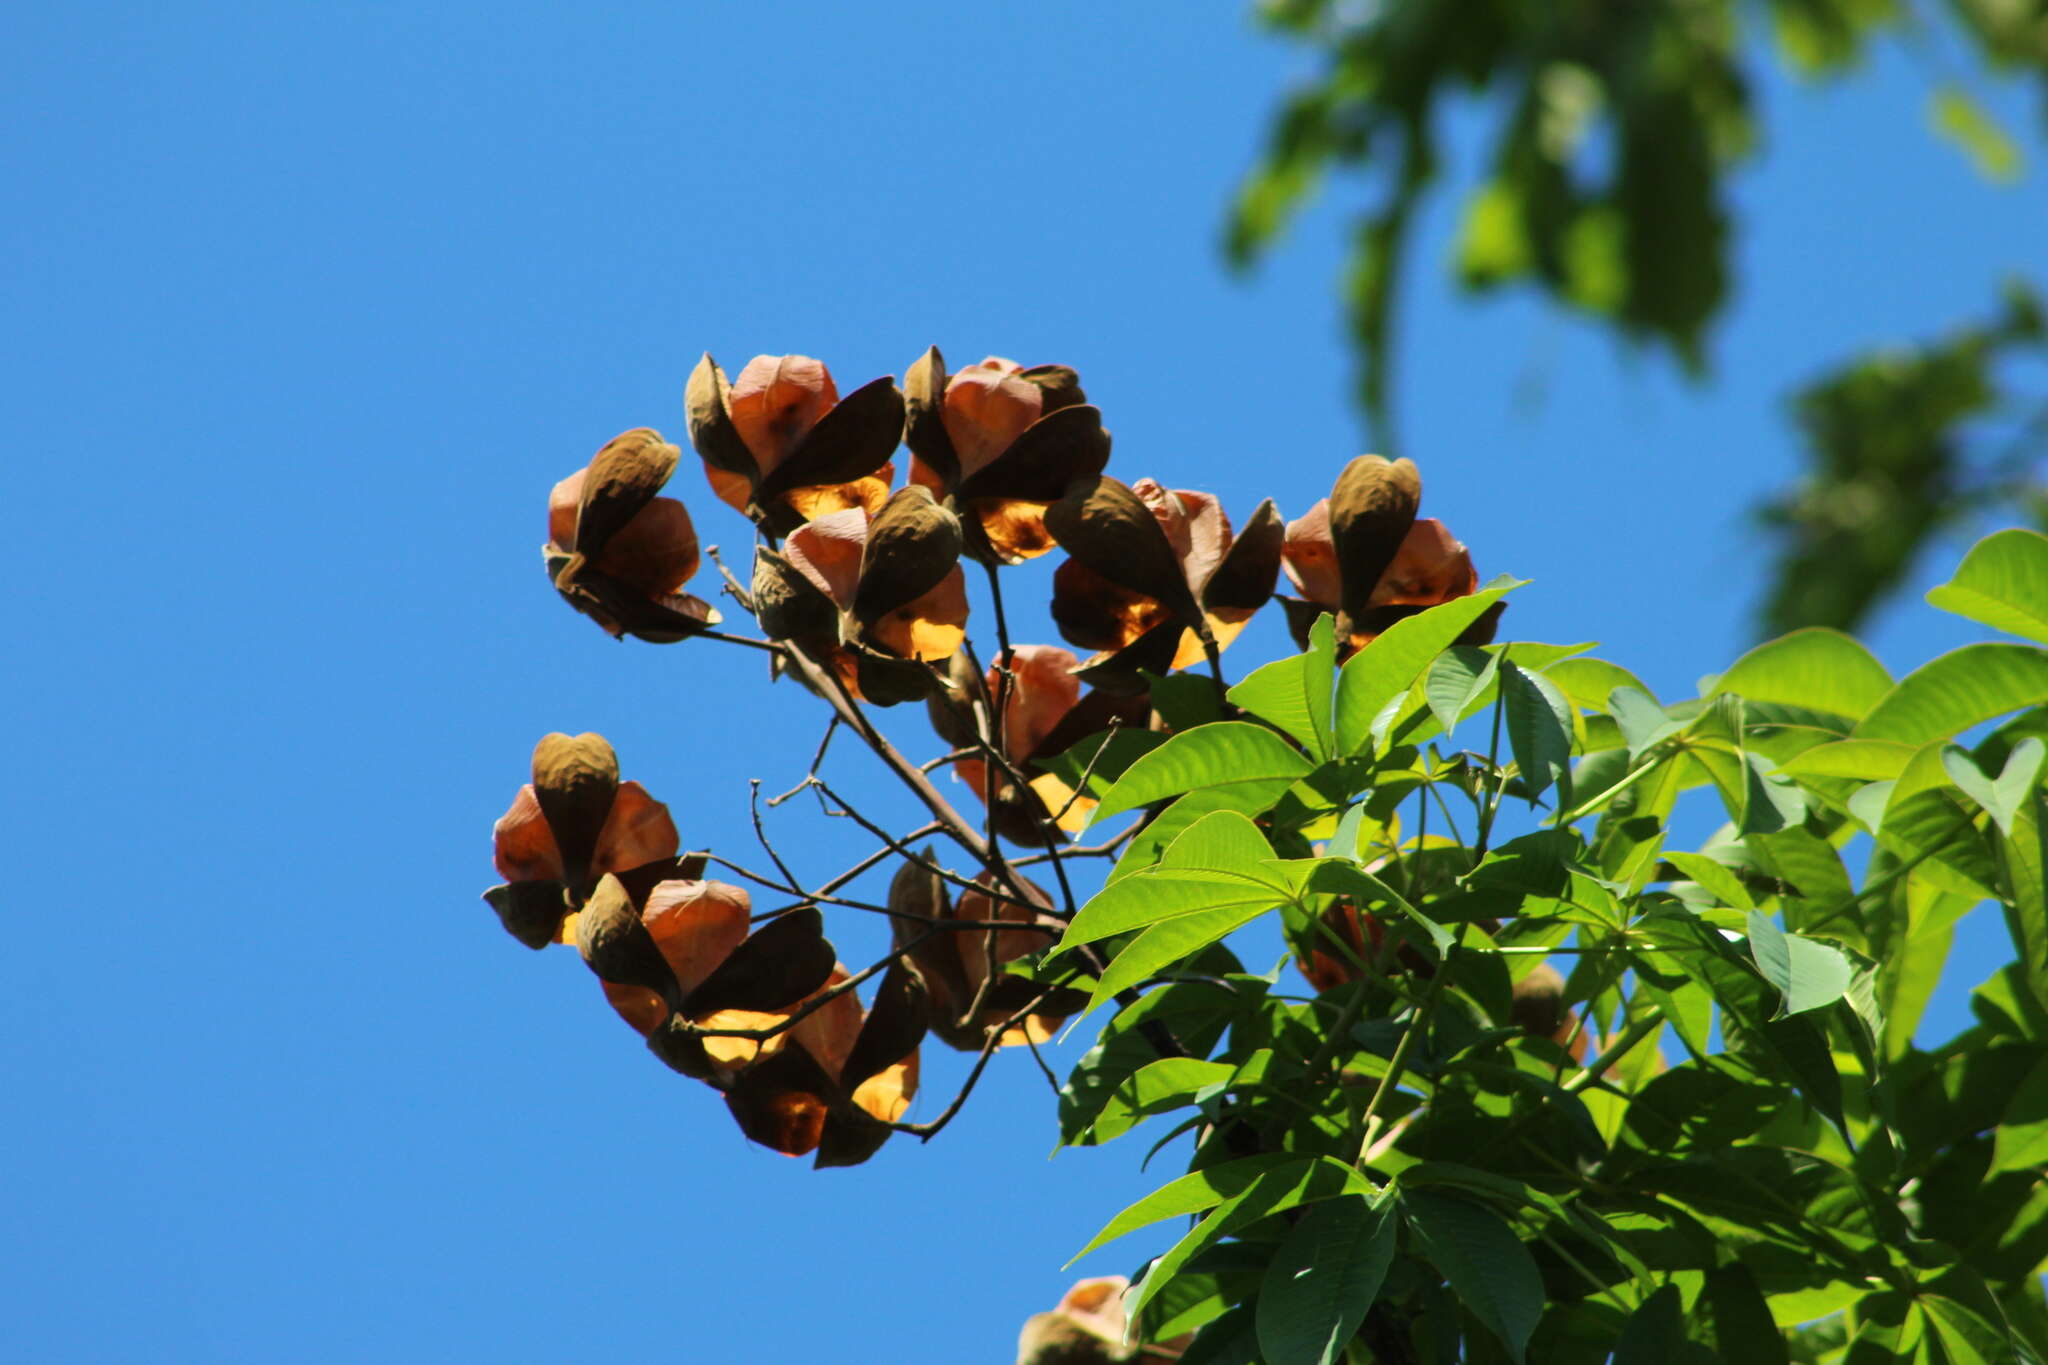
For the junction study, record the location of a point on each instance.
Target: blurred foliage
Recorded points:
(1892, 463)
(1615, 129)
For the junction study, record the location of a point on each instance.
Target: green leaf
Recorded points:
(1457, 680)
(1958, 690)
(1389, 666)
(1217, 861)
(2022, 1141)
(1741, 1317)
(1230, 1339)
(1807, 974)
(1726, 888)
(1655, 1334)
(1193, 1012)
(2000, 798)
(1308, 1181)
(1348, 878)
(1816, 668)
(1294, 694)
(1485, 1263)
(1539, 725)
(1168, 942)
(1195, 1192)
(1104, 756)
(1771, 802)
(1643, 722)
(2002, 583)
(1967, 1337)
(1155, 1088)
(1228, 753)
(1150, 843)
(1865, 760)
(1323, 1279)
(1963, 121)
(1587, 682)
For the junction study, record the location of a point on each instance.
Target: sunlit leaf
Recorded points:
(1228, 753)
(1539, 726)
(2001, 796)
(1294, 693)
(1389, 666)
(1963, 121)
(1807, 974)
(1816, 668)
(1457, 679)
(1959, 690)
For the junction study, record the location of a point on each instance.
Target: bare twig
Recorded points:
(928, 1131)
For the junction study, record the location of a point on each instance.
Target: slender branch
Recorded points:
(761, 832)
(826, 684)
(928, 1131)
(765, 646)
(733, 587)
(811, 773)
(900, 847)
(1115, 724)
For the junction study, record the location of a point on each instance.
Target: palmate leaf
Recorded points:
(2003, 583)
(1808, 975)
(1155, 1088)
(1274, 1192)
(2022, 1140)
(1816, 668)
(1194, 1193)
(1389, 666)
(1539, 726)
(1294, 693)
(1958, 690)
(1486, 1264)
(2000, 796)
(1225, 754)
(1215, 877)
(1323, 1279)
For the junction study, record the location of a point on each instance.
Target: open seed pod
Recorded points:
(955, 964)
(872, 599)
(1000, 444)
(782, 447)
(621, 555)
(844, 1078)
(1362, 555)
(727, 978)
(574, 824)
(1045, 714)
(1151, 571)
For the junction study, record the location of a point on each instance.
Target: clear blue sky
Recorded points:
(306, 309)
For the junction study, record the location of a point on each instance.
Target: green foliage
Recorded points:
(1714, 1134)
(1890, 464)
(1614, 130)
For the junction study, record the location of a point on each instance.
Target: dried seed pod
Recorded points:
(623, 478)
(1106, 527)
(531, 912)
(1371, 508)
(617, 946)
(575, 779)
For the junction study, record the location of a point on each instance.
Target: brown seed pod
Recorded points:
(623, 478)
(575, 779)
(617, 946)
(1371, 508)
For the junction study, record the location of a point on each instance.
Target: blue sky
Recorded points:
(308, 308)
